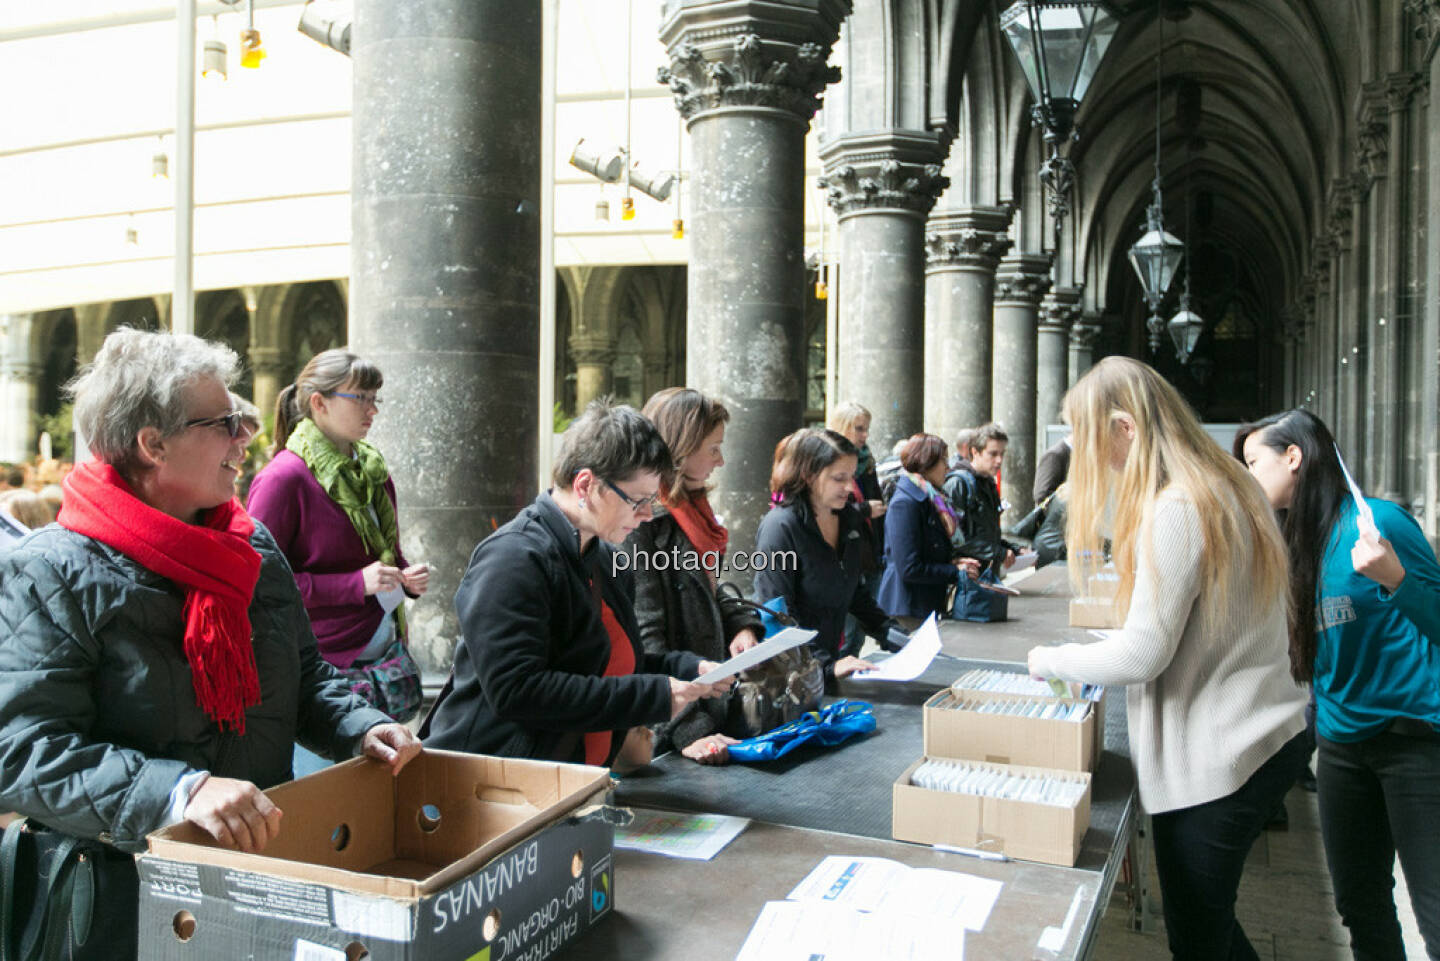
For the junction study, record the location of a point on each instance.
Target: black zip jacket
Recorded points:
(528, 679)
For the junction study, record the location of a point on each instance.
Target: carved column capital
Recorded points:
(1341, 203)
(1022, 279)
(724, 54)
(1426, 14)
(1060, 309)
(880, 180)
(592, 349)
(969, 237)
(1084, 332)
(267, 360)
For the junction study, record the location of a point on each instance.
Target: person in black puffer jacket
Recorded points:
(156, 663)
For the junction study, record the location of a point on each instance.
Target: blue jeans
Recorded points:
(1380, 797)
(1200, 854)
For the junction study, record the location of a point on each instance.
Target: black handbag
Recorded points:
(64, 898)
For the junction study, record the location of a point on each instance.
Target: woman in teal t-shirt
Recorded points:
(1365, 632)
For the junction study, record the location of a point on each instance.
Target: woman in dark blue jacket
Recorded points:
(920, 562)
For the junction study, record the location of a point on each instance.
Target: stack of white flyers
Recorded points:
(1007, 682)
(1041, 710)
(868, 908)
(985, 780)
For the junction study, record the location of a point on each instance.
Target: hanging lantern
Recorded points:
(1185, 329)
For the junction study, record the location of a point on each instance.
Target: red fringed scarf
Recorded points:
(212, 560)
(697, 519)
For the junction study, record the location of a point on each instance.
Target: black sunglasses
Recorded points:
(232, 422)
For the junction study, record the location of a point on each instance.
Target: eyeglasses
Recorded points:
(637, 504)
(364, 400)
(233, 422)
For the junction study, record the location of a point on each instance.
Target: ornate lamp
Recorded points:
(1059, 44)
(1157, 254)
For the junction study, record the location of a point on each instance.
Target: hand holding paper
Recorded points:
(913, 658)
(783, 641)
(1372, 556)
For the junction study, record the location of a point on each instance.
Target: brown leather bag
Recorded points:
(778, 691)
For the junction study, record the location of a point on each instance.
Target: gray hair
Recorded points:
(138, 380)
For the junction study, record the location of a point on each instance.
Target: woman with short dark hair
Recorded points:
(155, 659)
(811, 545)
(920, 561)
(549, 663)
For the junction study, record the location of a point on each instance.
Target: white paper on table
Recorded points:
(391, 599)
(879, 884)
(911, 660)
(1104, 635)
(759, 654)
(1366, 521)
(1023, 561)
(696, 837)
(804, 931)
(1053, 938)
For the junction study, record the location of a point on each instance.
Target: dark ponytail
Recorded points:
(1320, 493)
(287, 415)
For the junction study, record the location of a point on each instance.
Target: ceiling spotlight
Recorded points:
(606, 166)
(212, 59)
(332, 33)
(251, 52)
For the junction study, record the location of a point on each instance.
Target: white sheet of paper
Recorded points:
(1023, 562)
(391, 599)
(1366, 521)
(695, 837)
(910, 661)
(1053, 938)
(759, 654)
(879, 884)
(804, 931)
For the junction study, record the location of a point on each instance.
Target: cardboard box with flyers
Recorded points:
(955, 728)
(1028, 830)
(460, 856)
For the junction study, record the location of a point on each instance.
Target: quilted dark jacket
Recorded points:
(98, 719)
(677, 610)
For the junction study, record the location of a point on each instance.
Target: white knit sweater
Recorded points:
(1210, 698)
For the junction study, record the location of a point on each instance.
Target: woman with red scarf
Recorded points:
(676, 602)
(155, 659)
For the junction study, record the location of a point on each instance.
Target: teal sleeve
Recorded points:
(1418, 596)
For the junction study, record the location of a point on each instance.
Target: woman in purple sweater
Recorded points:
(328, 499)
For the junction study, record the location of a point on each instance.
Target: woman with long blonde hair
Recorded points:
(1216, 723)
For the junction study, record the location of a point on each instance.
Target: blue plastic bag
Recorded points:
(833, 724)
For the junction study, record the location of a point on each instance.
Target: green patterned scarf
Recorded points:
(355, 483)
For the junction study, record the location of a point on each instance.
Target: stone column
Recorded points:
(882, 185)
(19, 380)
(748, 79)
(594, 354)
(1350, 345)
(964, 247)
(1019, 284)
(1083, 334)
(270, 369)
(444, 272)
(1058, 312)
(90, 331)
(1427, 318)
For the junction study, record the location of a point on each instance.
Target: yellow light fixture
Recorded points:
(822, 292)
(627, 208)
(212, 59)
(678, 229)
(251, 52)
(160, 165)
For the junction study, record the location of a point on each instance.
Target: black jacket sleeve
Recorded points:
(503, 605)
(651, 608)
